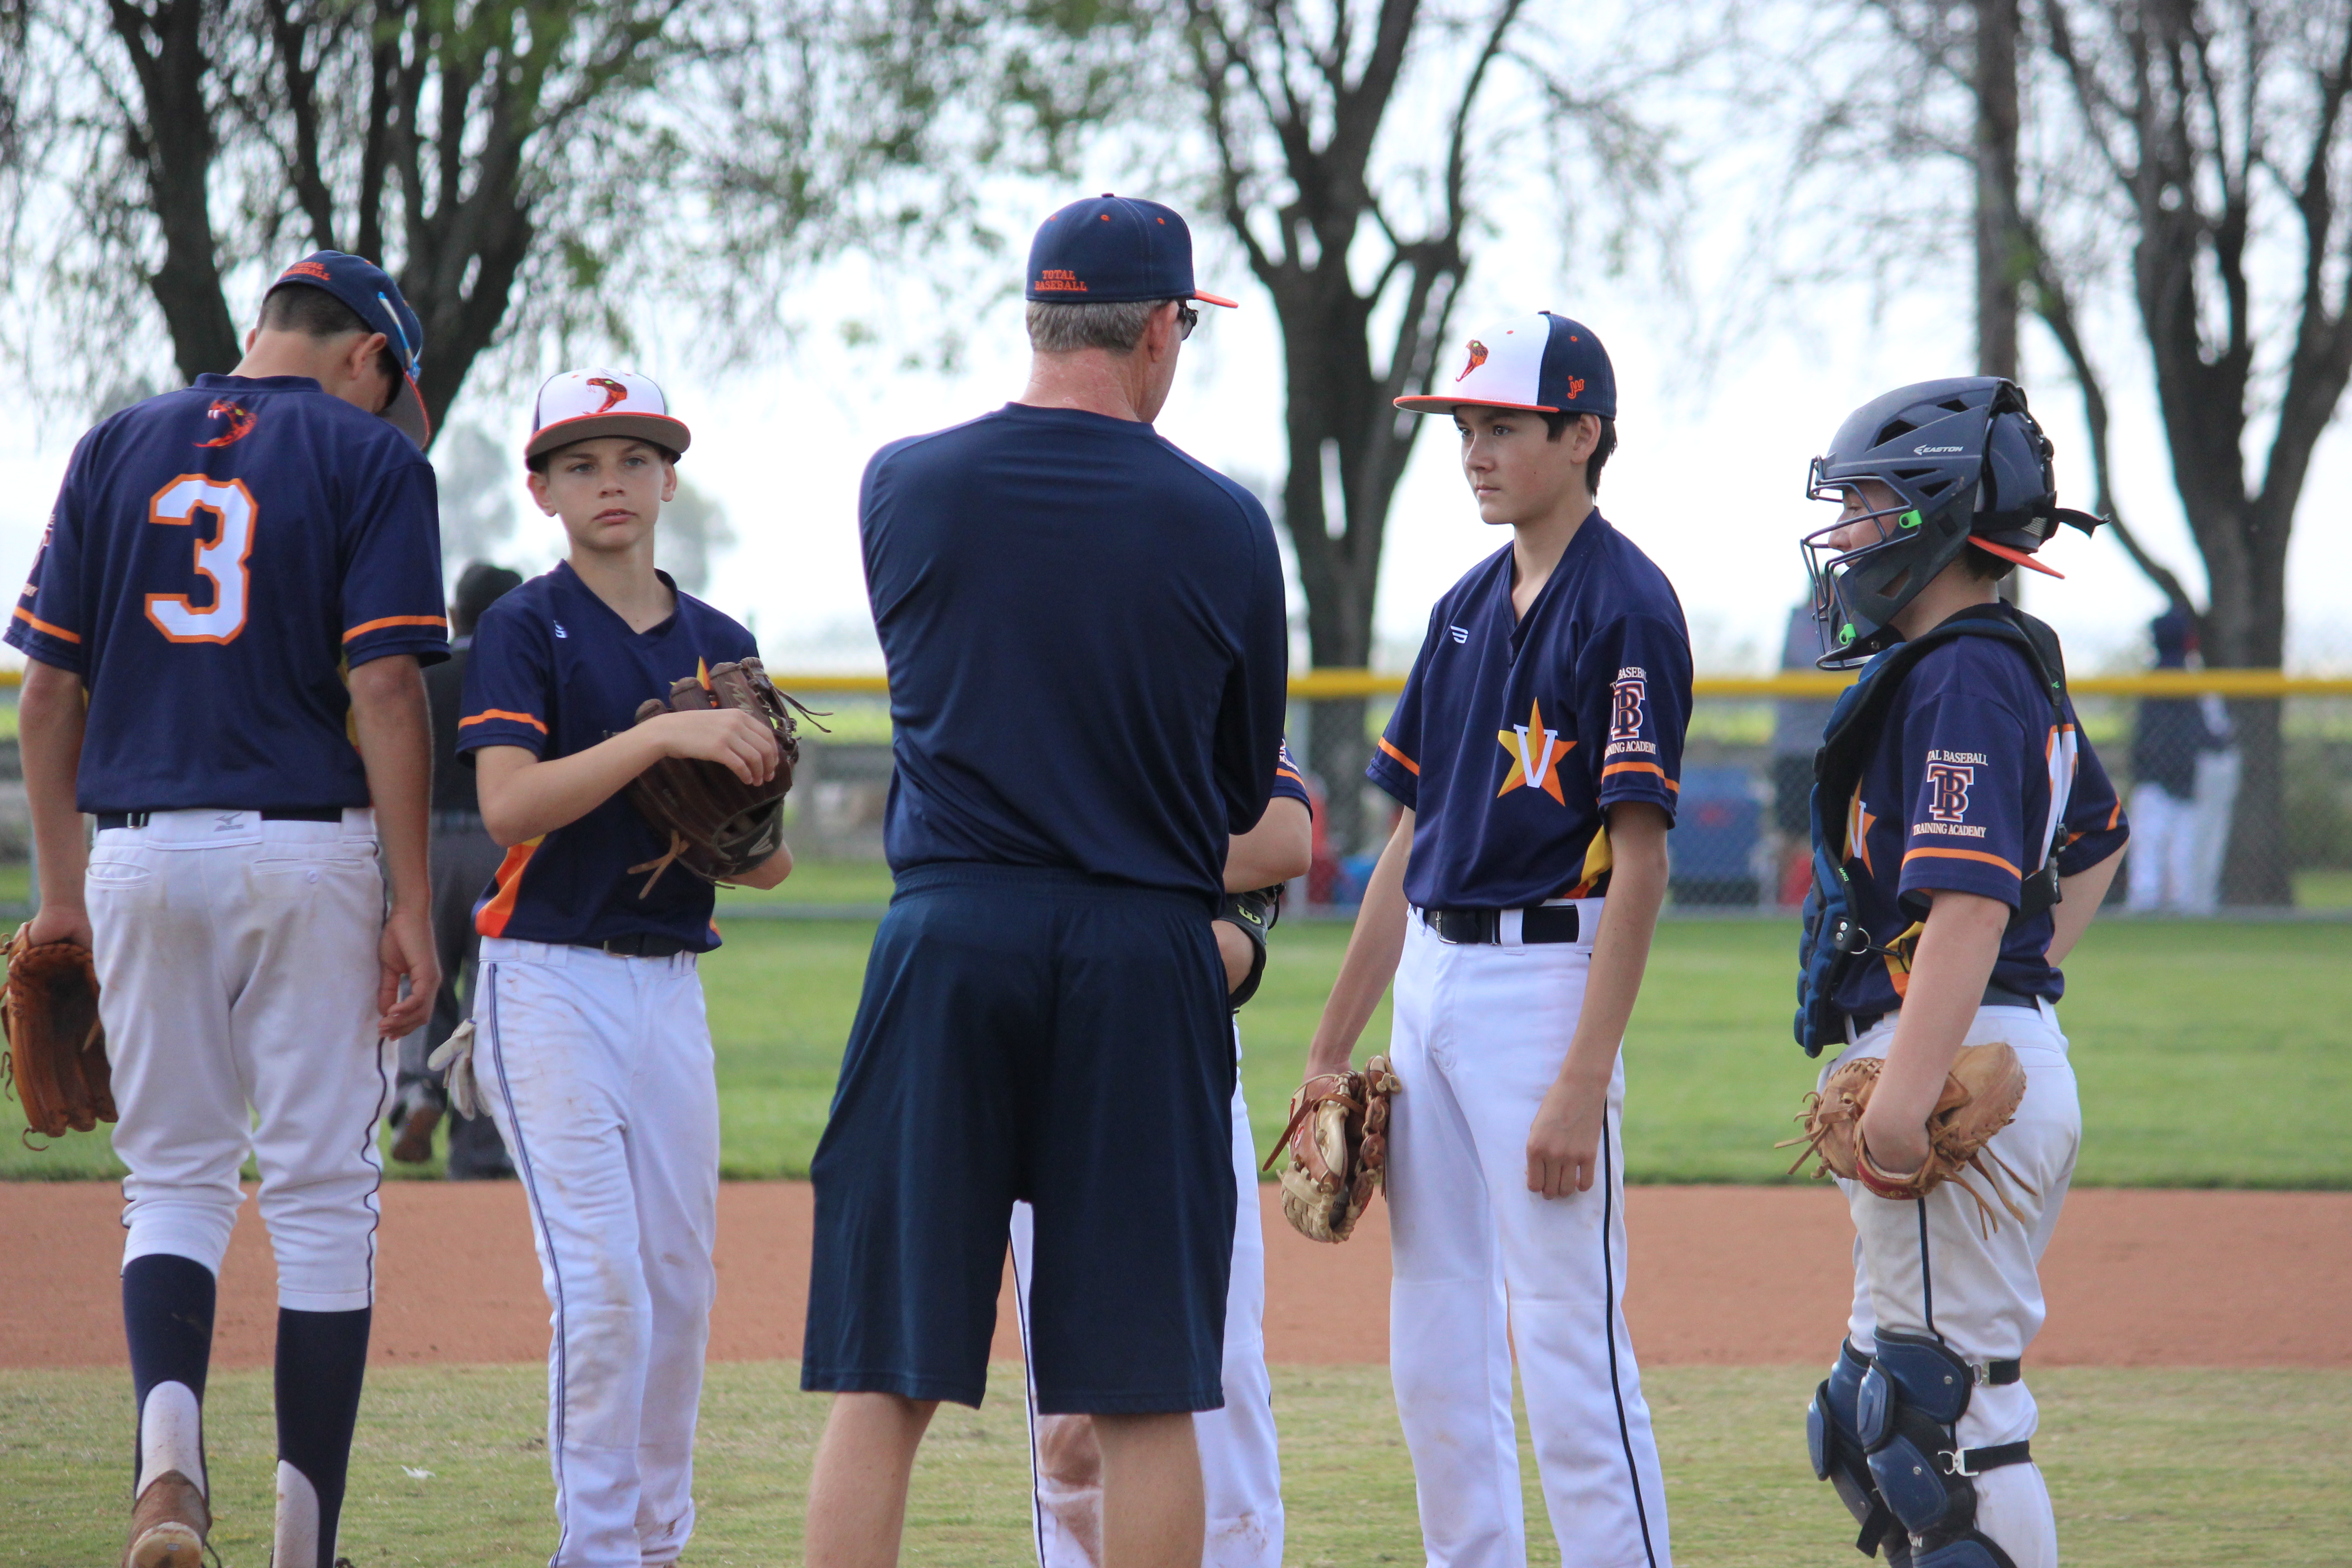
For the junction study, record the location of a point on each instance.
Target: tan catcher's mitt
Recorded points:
(719, 827)
(1981, 1097)
(57, 1048)
(1338, 1142)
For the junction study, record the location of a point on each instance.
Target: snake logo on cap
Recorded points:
(1477, 358)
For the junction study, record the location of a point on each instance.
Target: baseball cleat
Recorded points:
(414, 1144)
(168, 1524)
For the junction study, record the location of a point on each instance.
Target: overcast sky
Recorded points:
(1708, 479)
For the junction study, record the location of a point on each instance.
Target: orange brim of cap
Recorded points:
(1216, 300)
(2020, 556)
(1437, 402)
(406, 414)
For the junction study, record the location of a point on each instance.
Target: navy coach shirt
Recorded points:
(1086, 646)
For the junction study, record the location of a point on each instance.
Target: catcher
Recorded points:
(1963, 836)
(628, 751)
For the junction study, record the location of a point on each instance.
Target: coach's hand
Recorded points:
(1564, 1140)
(1236, 951)
(61, 922)
(724, 735)
(405, 952)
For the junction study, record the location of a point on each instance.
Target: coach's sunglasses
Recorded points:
(1186, 318)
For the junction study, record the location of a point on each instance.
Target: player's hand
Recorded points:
(405, 952)
(1564, 1140)
(61, 922)
(724, 735)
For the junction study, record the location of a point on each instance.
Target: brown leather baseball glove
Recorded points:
(1981, 1097)
(719, 827)
(57, 1047)
(1339, 1148)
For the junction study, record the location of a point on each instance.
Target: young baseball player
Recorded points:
(1241, 1464)
(1534, 753)
(592, 1051)
(1964, 835)
(233, 575)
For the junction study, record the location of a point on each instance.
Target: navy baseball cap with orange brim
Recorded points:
(1112, 249)
(375, 299)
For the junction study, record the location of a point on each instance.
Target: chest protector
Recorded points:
(1834, 942)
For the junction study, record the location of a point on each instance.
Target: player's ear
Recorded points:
(537, 479)
(669, 481)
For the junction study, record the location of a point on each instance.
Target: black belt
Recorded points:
(639, 944)
(1543, 923)
(112, 819)
(1994, 996)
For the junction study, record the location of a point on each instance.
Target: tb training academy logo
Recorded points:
(1950, 775)
(1535, 754)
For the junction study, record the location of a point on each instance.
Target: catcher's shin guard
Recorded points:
(1906, 1411)
(1838, 1459)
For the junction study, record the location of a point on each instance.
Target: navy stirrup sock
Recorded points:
(321, 1361)
(167, 1320)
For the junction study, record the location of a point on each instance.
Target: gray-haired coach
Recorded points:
(1086, 641)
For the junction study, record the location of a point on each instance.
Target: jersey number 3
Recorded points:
(220, 559)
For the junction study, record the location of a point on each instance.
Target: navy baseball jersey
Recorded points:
(217, 558)
(1515, 735)
(1958, 796)
(1087, 653)
(554, 669)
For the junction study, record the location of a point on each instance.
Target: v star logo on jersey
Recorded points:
(1535, 754)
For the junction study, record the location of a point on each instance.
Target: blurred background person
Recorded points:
(2185, 773)
(463, 859)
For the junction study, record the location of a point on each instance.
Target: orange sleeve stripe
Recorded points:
(1641, 768)
(487, 714)
(1932, 853)
(43, 626)
(492, 921)
(1410, 765)
(376, 625)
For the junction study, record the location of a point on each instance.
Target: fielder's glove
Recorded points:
(454, 1057)
(1339, 1150)
(1981, 1097)
(55, 1056)
(719, 827)
(1253, 914)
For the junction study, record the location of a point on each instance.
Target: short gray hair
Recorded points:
(1056, 328)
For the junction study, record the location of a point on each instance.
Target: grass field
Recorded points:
(2149, 1470)
(2209, 1053)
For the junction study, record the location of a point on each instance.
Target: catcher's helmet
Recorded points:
(1967, 465)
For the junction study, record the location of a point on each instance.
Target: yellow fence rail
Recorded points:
(1314, 684)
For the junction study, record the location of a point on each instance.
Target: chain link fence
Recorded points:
(2185, 750)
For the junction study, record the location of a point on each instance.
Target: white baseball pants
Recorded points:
(236, 962)
(1930, 1266)
(1483, 1266)
(599, 1071)
(1241, 1464)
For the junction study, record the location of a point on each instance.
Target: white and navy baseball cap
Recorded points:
(1544, 363)
(371, 295)
(582, 404)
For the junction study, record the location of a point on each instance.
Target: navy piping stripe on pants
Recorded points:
(1609, 1330)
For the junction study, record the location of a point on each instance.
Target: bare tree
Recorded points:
(507, 160)
(2206, 144)
(1346, 151)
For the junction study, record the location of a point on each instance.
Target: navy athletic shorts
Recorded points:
(1037, 1034)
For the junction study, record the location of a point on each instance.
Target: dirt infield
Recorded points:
(1728, 1276)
